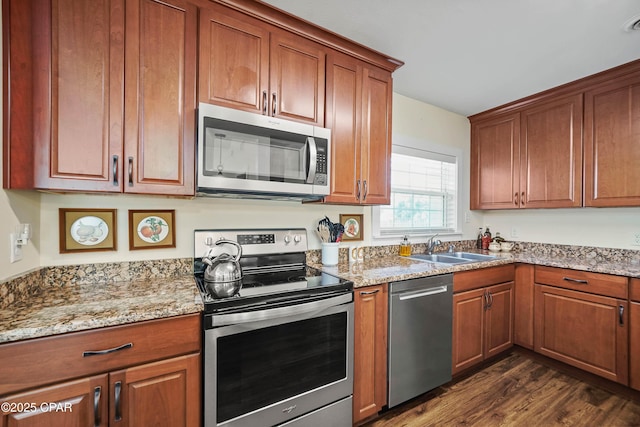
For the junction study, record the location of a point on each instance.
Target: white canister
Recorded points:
(330, 253)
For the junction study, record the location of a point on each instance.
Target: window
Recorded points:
(424, 195)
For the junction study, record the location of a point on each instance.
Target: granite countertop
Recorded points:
(77, 298)
(79, 307)
(393, 268)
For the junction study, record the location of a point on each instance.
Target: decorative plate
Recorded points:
(152, 229)
(89, 230)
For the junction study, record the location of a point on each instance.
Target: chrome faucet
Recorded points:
(431, 244)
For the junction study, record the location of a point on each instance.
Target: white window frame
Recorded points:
(407, 145)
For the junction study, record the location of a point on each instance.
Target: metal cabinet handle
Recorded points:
(264, 102)
(273, 106)
(130, 172)
(490, 299)
(522, 198)
(515, 199)
(107, 351)
(366, 190)
(621, 314)
(369, 292)
(118, 404)
(486, 300)
(358, 190)
(579, 281)
(115, 170)
(96, 406)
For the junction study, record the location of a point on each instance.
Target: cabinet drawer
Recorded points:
(27, 364)
(634, 290)
(473, 279)
(584, 281)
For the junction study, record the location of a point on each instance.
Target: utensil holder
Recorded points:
(330, 253)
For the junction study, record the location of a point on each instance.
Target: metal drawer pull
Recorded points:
(96, 406)
(369, 292)
(118, 392)
(582, 282)
(107, 351)
(115, 170)
(621, 314)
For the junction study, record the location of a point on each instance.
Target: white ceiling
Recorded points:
(468, 56)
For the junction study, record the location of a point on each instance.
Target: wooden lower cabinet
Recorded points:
(523, 306)
(141, 374)
(370, 351)
(482, 324)
(164, 393)
(584, 330)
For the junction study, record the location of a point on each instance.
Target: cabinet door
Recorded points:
(551, 154)
(584, 330)
(76, 403)
(495, 163)
(297, 78)
(376, 137)
(344, 86)
(160, 97)
(370, 351)
(611, 149)
(468, 329)
(634, 345)
(499, 319)
(163, 394)
(78, 56)
(233, 60)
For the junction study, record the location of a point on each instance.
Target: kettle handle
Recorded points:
(231, 242)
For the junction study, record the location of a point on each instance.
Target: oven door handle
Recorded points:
(280, 312)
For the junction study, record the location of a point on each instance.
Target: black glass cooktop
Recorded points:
(277, 285)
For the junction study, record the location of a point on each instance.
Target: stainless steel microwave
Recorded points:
(242, 154)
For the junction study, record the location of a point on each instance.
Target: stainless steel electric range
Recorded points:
(280, 352)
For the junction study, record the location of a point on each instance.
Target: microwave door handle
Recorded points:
(313, 159)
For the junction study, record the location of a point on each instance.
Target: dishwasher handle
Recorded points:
(423, 293)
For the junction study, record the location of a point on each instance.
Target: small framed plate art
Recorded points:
(353, 229)
(87, 230)
(152, 229)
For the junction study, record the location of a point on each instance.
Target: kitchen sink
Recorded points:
(453, 257)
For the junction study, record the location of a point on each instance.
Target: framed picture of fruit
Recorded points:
(87, 230)
(152, 229)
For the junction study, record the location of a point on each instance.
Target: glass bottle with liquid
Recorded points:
(405, 247)
(479, 239)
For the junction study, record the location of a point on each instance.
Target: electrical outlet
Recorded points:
(15, 251)
(467, 217)
(636, 239)
(515, 232)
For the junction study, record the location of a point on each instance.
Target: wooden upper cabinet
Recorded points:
(551, 154)
(529, 159)
(78, 63)
(359, 114)
(113, 103)
(160, 97)
(233, 60)
(612, 144)
(495, 163)
(250, 65)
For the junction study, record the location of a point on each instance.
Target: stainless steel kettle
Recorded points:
(223, 275)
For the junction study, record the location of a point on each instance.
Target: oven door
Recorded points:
(271, 366)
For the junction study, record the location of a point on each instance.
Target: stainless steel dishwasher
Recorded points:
(420, 332)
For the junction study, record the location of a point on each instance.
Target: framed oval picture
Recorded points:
(87, 230)
(151, 229)
(352, 226)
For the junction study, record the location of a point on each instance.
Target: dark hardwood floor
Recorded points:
(518, 390)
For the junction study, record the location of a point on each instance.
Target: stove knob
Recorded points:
(287, 239)
(297, 238)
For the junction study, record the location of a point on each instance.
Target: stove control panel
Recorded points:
(254, 241)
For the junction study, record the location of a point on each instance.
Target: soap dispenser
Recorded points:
(405, 247)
